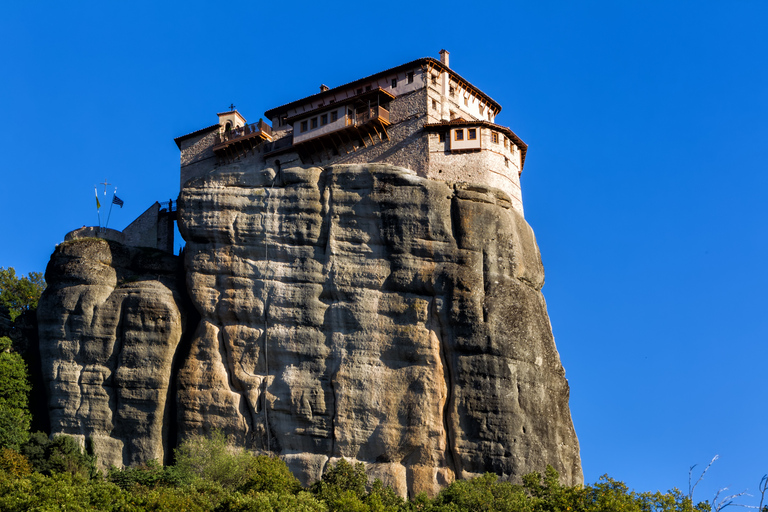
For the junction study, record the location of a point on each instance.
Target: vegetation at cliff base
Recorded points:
(211, 476)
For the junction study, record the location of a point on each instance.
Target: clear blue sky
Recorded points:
(644, 182)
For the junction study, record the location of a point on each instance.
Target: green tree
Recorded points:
(61, 454)
(14, 396)
(20, 294)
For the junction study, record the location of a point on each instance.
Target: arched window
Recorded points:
(228, 127)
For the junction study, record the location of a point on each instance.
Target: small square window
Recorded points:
(394, 83)
(494, 137)
(410, 77)
(442, 137)
(367, 88)
(506, 161)
(313, 122)
(334, 116)
(451, 91)
(472, 134)
(434, 105)
(434, 79)
(360, 90)
(459, 134)
(303, 126)
(466, 101)
(324, 119)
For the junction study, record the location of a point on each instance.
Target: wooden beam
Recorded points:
(362, 138)
(337, 147)
(377, 132)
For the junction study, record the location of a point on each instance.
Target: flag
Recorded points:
(119, 202)
(98, 204)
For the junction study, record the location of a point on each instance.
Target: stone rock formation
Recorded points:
(354, 311)
(110, 323)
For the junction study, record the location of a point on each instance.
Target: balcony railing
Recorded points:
(260, 128)
(371, 114)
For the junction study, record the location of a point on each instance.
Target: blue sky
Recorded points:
(644, 181)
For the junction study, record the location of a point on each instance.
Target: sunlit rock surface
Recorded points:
(348, 311)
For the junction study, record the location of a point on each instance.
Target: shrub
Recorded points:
(212, 458)
(269, 474)
(13, 463)
(62, 454)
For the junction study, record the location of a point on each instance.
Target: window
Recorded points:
(334, 116)
(394, 83)
(314, 122)
(434, 105)
(472, 134)
(360, 90)
(453, 115)
(442, 137)
(410, 77)
(434, 79)
(303, 126)
(324, 119)
(283, 120)
(494, 137)
(459, 134)
(505, 143)
(466, 101)
(451, 90)
(506, 161)
(482, 110)
(367, 88)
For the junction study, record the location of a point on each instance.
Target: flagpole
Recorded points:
(110, 207)
(98, 206)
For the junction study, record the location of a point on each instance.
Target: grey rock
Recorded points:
(354, 311)
(110, 322)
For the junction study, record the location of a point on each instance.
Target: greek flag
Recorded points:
(119, 202)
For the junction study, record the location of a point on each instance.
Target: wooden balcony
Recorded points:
(375, 113)
(243, 138)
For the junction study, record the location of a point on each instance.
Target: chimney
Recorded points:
(444, 57)
(323, 87)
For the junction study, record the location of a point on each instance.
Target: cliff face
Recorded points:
(110, 322)
(351, 311)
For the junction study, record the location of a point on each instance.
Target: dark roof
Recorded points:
(463, 122)
(418, 62)
(201, 131)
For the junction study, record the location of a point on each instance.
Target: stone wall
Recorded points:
(492, 166)
(197, 156)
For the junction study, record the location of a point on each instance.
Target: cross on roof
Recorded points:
(105, 185)
(231, 106)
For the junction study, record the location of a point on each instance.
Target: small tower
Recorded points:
(230, 120)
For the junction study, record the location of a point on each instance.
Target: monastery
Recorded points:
(420, 115)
